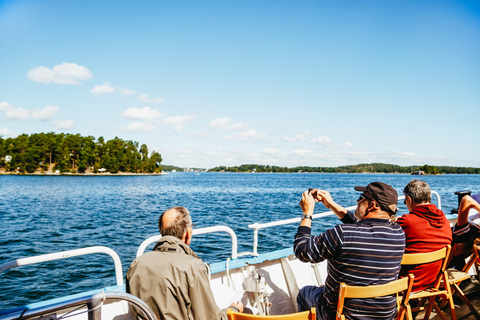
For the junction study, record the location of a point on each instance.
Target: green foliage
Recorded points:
(170, 168)
(359, 168)
(74, 153)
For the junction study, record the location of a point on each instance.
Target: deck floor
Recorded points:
(472, 290)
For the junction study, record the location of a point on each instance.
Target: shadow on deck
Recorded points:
(472, 291)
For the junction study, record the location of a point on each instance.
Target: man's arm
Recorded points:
(326, 199)
(314, 249)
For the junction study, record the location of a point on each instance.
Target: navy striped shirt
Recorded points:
(361, 253)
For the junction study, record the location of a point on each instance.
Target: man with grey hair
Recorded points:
(172, 279)
(426, 229)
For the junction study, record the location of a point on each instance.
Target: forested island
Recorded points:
(72, 153)
(359, 168)
(45, 153)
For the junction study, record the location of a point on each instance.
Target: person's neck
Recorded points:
(377, 215)
(414, 204)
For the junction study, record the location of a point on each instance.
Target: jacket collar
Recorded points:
(173, 244)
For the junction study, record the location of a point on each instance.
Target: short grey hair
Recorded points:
(419, 191)
(180, 224)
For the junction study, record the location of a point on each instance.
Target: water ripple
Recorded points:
(42, 214)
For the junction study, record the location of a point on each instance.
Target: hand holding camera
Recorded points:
(315, 194)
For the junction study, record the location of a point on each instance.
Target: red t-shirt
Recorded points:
(426, 229)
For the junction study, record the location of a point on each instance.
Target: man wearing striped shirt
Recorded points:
(365, 250)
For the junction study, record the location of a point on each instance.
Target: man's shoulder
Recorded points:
(373, 225)
(178, 261)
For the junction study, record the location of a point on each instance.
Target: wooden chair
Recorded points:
(434, 290)
(305, 315)
(403, 286)
(455, 277)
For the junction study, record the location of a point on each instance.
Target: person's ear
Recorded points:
(188, 236)
(373, 205)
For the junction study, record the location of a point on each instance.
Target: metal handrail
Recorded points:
(93, 302)
(68, 254)
(152, 239)
(257, 226)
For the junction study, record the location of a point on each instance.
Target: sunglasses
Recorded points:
(361, 198)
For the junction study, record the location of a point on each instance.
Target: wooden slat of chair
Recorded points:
(434, 290)
(304, 315)
(403, 285)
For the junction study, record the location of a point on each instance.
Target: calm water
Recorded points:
(42, 214)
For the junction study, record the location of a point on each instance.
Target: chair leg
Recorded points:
(465, 300)
(401, 313)
(452, 308)
(429, 309)
(431, 306)
(409, 312)
(439, 311)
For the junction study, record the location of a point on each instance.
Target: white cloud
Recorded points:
(127, 92)
(14, 113)
(199, 134)
(178, 121)
(298, 137)
(64, 124)
(235, 126)
(219, 122)
(65, 73)
(6, 132)
(251, 134)
(146, 98)
(103, 88)
(138, 126)
(224, 124)
(235, 156)
(141, 113)
(4, 106)
(18, 113)
(45, 114)
(326, 141)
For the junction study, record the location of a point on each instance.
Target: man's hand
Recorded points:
(238, 305)
(307, 203)
(325, 198)
(315, 194)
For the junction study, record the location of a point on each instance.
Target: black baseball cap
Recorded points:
(383, 194)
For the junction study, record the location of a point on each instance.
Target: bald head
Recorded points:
(175, 222)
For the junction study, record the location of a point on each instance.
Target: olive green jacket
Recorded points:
(173, 281)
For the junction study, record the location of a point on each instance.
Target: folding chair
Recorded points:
(455, 277)
(304, 315)
(434, 290)
(403, 286)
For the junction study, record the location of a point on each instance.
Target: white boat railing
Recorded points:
(258, 226)
(94, 303)
(233, 236)
(68, 254)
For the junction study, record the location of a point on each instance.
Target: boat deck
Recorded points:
(472, 290)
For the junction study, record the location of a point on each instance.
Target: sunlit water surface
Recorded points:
(45, 214)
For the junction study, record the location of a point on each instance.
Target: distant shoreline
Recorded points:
(198, 173)
(83, 174)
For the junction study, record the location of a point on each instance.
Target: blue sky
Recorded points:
(286, 83)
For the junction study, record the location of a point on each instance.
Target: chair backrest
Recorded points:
(305, 315)
(403, 285)
(427, 257)
(473, 258)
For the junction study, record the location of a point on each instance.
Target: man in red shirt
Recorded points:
(426, 229)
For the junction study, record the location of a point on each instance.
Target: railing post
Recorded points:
(94, 306)
(439, 201)
(255, 227)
